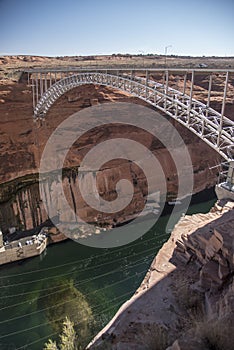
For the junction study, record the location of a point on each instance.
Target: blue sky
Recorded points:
(69, 27)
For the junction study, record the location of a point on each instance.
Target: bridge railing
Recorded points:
(213, 127)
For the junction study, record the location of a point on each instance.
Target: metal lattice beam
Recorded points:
(211, 126)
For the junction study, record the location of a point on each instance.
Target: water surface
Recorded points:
(87, 284)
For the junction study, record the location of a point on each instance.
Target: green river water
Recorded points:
(87, 284)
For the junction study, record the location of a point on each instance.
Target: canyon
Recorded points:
(23, 139)
(189, 284)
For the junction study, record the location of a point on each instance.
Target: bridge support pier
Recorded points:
(225, 190)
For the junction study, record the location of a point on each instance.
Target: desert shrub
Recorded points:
(216, 334)
(152, 336)
(67, 338)
(158, 339)
(67, 302)
(189, 300)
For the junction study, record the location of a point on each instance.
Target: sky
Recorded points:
(95, 27)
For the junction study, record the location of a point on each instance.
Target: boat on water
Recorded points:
(179, 200)
(175, 202)
(23, 248)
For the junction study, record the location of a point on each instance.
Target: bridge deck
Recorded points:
(48, 84)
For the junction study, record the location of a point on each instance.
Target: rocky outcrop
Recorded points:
(186, 298)
(212, 247)
(22, 142)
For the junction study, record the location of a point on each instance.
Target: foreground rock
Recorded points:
(185, 301)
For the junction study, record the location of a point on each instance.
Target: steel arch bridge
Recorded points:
(211, 126)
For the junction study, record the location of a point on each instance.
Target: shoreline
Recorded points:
(27, 247)
(54, 236)
(155, 302)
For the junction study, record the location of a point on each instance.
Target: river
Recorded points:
(87, 284)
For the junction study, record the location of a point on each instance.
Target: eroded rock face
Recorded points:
(212, 247)
(22, 142)
(186, 298)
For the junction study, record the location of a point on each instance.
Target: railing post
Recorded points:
(146, 83)
(33, 93)
(155, 97)
(45, 81)
(111, 79)
(167, 77)
(190, 96)
(106, 76)
(41, 85)
(166, 88)
(223, 109)
(132, 79)
(191, 89)
(185, 80)
(209, 94)
(37, 87)
(176, 111)
(50, 79)
(118, 78)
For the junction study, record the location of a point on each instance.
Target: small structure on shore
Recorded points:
(225, 190)
(1, 239)
(23, 248)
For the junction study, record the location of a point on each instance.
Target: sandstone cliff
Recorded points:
(185, 301)
(22, 142)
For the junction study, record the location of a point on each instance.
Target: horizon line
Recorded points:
(117, 54)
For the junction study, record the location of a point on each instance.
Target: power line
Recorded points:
(69, 273)
(59, 319)
(36, 341)
(76, 285)
(68, 301)
(55, 333)
(80, 260)
(86, 280)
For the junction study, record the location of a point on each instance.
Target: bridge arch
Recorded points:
(211, 126)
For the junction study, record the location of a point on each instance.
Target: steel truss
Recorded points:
(211, 126)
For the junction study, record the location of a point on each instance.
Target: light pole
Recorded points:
(143, 53)
(166, 47)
